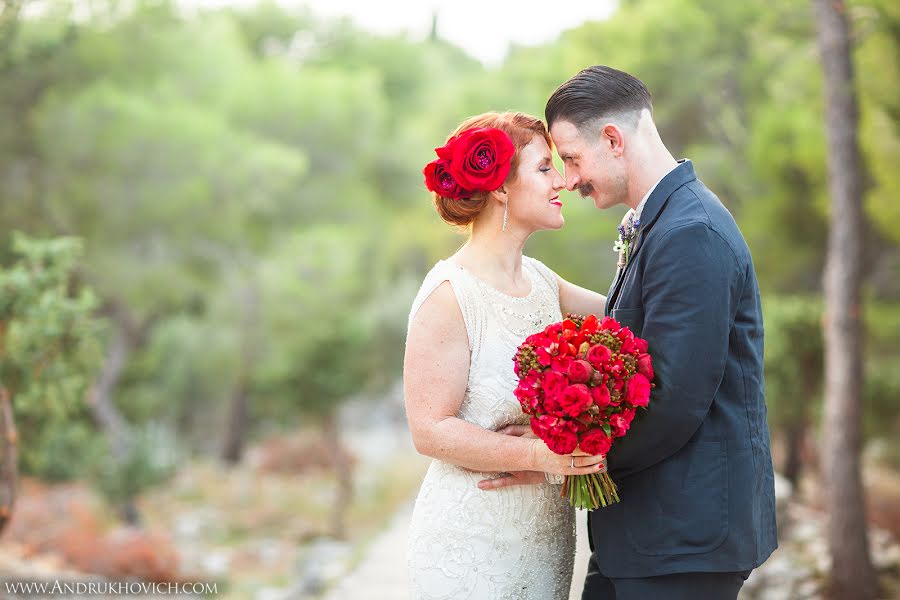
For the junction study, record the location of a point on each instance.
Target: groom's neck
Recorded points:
(647, 171)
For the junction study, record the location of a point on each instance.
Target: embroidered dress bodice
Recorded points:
(516, 542)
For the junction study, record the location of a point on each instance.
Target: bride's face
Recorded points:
(533, 196)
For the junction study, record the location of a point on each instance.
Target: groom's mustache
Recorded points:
(585, 189)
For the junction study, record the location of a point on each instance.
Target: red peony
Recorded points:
(576, 399)
(554, 383)
(645, 366)
(637, 393)
(595, 441)
(561, 437)
(600, 394)
(598, 356)
(580, 371)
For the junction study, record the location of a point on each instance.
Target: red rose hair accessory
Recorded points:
(476, 160)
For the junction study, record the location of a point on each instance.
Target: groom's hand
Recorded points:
(517, 430)
(510, 479)
(516, 477)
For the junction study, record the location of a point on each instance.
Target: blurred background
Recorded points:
(213, 223)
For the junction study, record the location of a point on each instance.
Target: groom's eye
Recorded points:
(544, 169)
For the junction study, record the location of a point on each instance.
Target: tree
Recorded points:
(49, 350)
(793, 365)
(852, 575)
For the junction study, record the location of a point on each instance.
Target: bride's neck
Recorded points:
(493, 254)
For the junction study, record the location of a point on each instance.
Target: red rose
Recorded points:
(641, 344)
(595, 441)
(598, 356)
(561, 437)
(638, 391)
(645, 366)
(481, 158)
(576, 399)
(600, 394)
(439, 180)
(580, 371)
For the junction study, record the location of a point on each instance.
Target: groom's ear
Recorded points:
(611, 136)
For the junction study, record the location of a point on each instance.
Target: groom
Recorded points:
(695, 472)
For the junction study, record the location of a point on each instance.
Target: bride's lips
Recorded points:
(555, 201)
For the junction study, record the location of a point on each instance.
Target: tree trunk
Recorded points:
(794, 436)
(233, 449)
(852, 575)
(126, 337)
(343, 473)
(100, 396)
(8, 458)
(238, 412)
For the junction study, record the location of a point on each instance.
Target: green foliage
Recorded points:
(793, 357)
(49, 349)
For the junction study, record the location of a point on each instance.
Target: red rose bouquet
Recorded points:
(581, 381)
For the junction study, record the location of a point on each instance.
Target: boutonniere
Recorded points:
(627, 232)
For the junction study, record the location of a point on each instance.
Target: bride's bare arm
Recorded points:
(578, 300)
(435, 375)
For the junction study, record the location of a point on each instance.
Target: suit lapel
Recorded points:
(676, 178)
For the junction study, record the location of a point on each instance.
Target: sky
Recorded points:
(483, 28)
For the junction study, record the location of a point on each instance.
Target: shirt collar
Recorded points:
(640, 206)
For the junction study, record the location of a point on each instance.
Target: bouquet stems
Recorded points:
(590, 491)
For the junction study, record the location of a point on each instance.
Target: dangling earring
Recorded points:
(505, 215)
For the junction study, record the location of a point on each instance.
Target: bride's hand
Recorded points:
(577, 463)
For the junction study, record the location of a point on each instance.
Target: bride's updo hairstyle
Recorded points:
(476, 160)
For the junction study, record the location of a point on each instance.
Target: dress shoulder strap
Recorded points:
(544, 272)
(471, 302)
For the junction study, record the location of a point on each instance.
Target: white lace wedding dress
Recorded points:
(513, 543)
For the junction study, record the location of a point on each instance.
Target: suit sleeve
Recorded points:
(690, 288)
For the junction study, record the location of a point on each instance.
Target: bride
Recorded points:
(495, 177)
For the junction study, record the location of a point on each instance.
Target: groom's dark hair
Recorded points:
(598, 92)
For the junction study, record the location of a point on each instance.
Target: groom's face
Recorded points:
(591, 167)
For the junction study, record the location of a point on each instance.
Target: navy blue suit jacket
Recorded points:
(695, 471)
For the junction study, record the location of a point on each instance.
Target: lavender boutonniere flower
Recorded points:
(627, 232)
